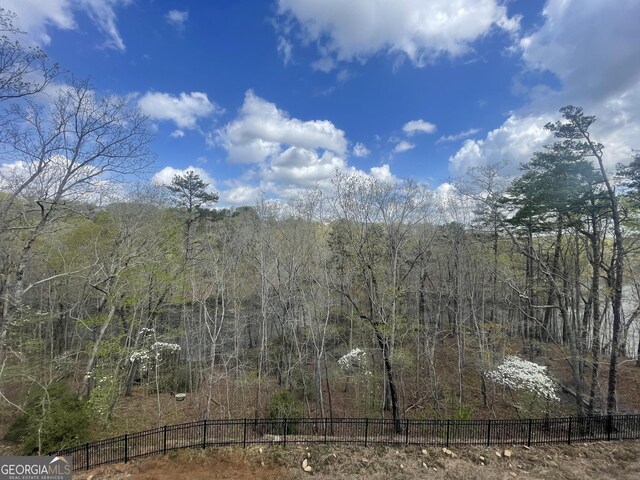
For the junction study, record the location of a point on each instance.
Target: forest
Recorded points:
(371, 298)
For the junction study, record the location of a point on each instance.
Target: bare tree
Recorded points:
(70, 150)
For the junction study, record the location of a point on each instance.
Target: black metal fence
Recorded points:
(354, 431)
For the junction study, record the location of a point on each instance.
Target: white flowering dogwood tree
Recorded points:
(518, 374)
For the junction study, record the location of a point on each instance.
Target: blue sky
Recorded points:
(274, 96)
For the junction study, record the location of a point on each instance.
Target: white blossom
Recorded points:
(517, 373)
(355, 359)
(166, 346)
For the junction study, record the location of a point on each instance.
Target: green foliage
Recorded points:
(284, 405)
(103, 395)
(53, 419)
(190, 192)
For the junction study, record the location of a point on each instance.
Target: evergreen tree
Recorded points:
(190, 193)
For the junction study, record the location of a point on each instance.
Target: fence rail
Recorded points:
(357, 431)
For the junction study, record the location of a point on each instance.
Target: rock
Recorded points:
(435, 469)
(513, 474)
(424, 451)
(334, 455)
(260, 450)
(308, 454)
(482, 458)
(262, 463)
(498, 454)
(446, 451)
(180, 396)
(401, 466)
(526, 448)
(424, 465)
(305, 463)
(307, 468)
(507, 454)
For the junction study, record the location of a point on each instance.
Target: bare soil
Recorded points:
(613, 460)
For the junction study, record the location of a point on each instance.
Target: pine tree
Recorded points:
(190, 193)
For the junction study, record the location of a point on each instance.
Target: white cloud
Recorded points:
(403, 146)
(423, 31)
(184, 110)
(284, 155)
(177, 134)
(240, 194)
(514, 141)
(303, 167)
(360, 150)
(165, 176)
(37, 17)
(458, 136)
(383, 173)
(418, 126)
(261, 130)
(592, 47)
(285, 48)
(84, 184)
(177, 18)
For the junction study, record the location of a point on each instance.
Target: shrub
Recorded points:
(54, 419)
(284, 405)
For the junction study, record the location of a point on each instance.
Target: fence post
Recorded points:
(406, 432)
(126, 448)
(164, 440)
(366, 431)
(448, 422)
(488, 432)
(569, 439)
(86, 451)
(204, 433)
(244, 434)
(286, 427)
(529, 435)
(325, 430)
(609, 427)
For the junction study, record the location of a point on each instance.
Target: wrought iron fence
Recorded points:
(355, 431)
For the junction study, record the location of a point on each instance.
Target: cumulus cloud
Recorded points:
(240, 194)
(83, 184)
(184, 110)
(515, 140)
(261, 130)
(300, 166)
(403, 146)
(283, 155)
(593, 49)
(592, 46)
(418, 126)
(423, 31)
(36, 17)
(360, 150)
(383, 173)
(177, 18)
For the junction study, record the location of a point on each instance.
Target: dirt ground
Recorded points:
(614, 460)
